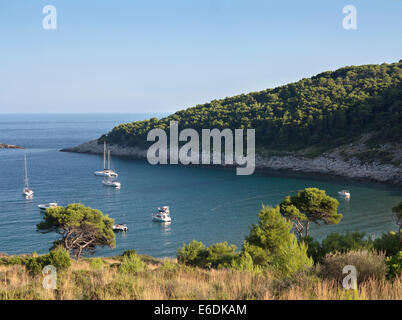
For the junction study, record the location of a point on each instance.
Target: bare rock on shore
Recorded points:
(352, 168)
(326, 164)
(10, 146)
(93, 147)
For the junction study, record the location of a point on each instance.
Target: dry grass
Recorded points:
(167, 280)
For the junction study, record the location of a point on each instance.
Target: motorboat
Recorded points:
(120, 227)
(111, 183)
(45, 206)
(344, 193)
(27, 192)
(163, 215)
(107, 171)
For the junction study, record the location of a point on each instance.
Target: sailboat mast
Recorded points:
(104, 155)
(26, 172)
(108, 159)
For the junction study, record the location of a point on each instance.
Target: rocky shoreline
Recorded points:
(10, 146)
(325, 164)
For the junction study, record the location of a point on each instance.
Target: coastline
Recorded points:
(325, 164)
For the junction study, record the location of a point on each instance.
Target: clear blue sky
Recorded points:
(167, 55)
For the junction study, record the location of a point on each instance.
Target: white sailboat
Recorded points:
(106, 172)
(111, 183)
(27, 192)
(108, 181)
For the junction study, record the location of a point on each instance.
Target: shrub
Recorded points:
(97, 263)
(193, 254)
(343, 243)
(129, 253)
(59, 258)
(196, 254)
(16, 260)
(314, 249)
(336, 242)
(36, 265)
(389, 243)
(394, 265)
(220, 255)
(167, 266)
(244, 262)
(369, 264)
(132, 263)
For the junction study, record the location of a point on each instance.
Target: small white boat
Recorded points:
(120, 227)
(106, 172)
(111, 183)
(27, 192)
(344, 193)
(163, 215)
(45, 206)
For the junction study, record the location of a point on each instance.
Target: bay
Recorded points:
(207, 204)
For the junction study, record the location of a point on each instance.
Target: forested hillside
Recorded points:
(329, 109)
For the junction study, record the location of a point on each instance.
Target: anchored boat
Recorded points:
(27, 192)
(344, 193)
(45, 206)
(163, 215)
(120, 227)
(108, 181)
(106, 172)
(111, 183)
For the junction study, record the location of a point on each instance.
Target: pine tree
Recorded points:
(272, 245)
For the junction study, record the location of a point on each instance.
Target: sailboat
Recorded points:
(108, 180)
(106, 172)
(26, 192)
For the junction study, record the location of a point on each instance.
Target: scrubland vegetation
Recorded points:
(273, 262)
(148, 278)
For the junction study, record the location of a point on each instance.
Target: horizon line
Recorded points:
(80, 113)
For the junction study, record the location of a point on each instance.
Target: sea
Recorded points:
(208, 204)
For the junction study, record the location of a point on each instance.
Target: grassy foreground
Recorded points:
(104, 278)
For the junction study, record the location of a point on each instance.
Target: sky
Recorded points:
(128, 56)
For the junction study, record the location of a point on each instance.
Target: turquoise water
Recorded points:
(207, 204)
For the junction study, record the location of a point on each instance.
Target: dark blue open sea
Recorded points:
(207, 204)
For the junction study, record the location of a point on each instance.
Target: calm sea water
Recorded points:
(207, 204)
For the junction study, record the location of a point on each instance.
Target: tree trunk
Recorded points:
(298, 226)
(79, 253)
(307, 228)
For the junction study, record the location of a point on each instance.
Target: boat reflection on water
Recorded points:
(166, 228)
(28, 203)
(122, 234)
(110, 193)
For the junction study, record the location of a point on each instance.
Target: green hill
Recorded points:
(330, 109)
